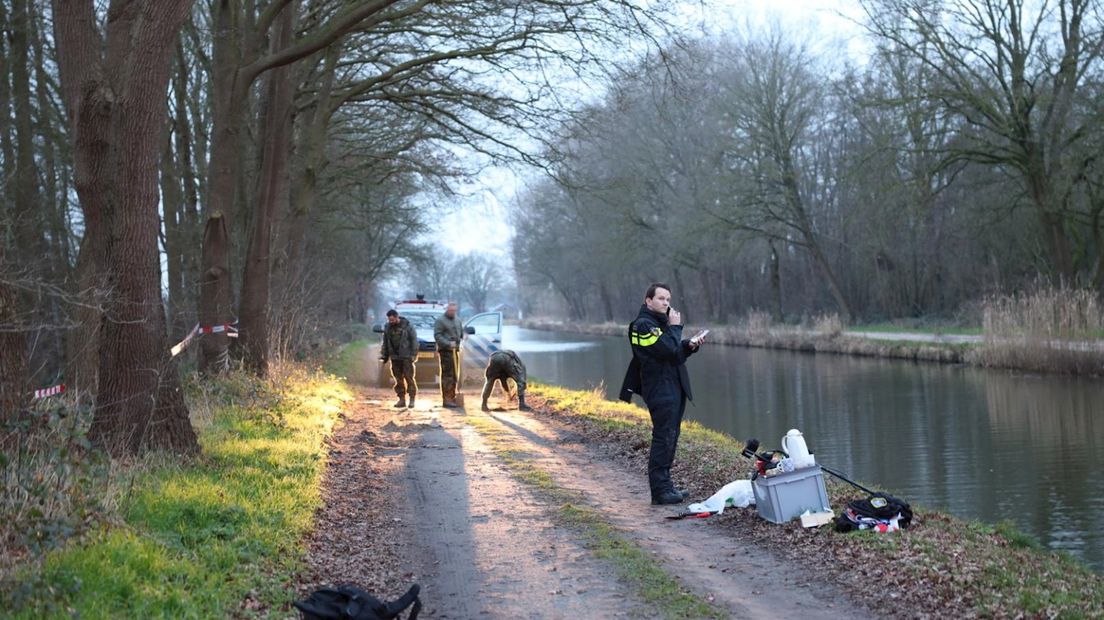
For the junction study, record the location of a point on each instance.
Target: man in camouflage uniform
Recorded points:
(448, 331)
(502, 366)
(400, 345)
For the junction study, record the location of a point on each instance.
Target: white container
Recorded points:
(784, 497)
(793, 444)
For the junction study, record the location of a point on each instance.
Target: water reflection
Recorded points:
(981, 444)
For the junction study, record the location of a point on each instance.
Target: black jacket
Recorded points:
(658, 369)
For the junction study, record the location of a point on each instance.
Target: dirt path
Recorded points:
(491, 549)
(420, 495)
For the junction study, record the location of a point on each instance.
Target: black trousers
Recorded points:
(666, 427)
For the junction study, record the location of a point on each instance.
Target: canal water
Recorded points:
(981, 444)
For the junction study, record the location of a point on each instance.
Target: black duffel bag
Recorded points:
(860, 514)
(351, 603)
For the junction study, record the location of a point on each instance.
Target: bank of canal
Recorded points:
(981, 444)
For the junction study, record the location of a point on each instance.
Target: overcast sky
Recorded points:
(477, 219)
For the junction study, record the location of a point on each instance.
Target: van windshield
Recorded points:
(420, 321)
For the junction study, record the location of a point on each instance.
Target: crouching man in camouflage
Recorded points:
(504, 365)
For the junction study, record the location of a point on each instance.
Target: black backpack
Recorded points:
(861, 513)
(351, 603)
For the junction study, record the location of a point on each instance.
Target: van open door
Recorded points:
(477, 347)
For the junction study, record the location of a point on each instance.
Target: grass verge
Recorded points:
(349, 361)
(633, 564)
(215, 536)
(941, 565)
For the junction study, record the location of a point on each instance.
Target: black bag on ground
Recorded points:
(880, 506)
(351, 603)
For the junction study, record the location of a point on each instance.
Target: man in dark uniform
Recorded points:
(658, 373)
(400, 345)
(502, 366)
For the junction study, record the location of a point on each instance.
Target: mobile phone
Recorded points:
(698, 337)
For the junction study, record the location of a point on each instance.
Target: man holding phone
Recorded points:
(658, 373)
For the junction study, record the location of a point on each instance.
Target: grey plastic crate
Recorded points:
(781, 498)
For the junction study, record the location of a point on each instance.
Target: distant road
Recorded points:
(914, 337)
(1087, 345)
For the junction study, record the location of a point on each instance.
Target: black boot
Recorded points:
(410, 403)
(667, 476)
(669, 496)
(401, 403)
(484, 406)
(521, 403)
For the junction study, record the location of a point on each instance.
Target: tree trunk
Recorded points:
(171, 199)
(190, 237)
(57, 267)
(14, 388)
(708, 293)
(114, 84)
(29, 255)
(775, 284)
(214, 296)
(607, 301)
(809, 237)
(272, 185)
(7, 147)
(228, 98)
(26, 216)
(305, 187)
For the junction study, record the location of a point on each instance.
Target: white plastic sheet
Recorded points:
(736, 494)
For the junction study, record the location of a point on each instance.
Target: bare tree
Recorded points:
(477, 277)
(777, 106)
(1017, 74)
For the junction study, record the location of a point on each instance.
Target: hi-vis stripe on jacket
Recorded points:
(646, 339)
(657, 371)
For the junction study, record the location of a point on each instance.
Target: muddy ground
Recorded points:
(418, 496)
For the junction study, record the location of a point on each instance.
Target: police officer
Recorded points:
(448, 331)
(501, 366)
(400, 345)
(658, 373)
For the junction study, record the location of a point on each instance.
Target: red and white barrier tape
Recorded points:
(230, 329)
(180, 346)
(50, 391)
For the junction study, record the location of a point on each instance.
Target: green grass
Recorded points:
(633, 565)
(197, 538)
(349, 359)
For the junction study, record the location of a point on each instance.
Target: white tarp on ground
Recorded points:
(737, 494)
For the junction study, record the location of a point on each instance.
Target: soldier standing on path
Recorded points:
(502, 366)
(400, 345)
(448, 331)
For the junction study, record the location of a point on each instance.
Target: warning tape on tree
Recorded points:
(50, 391)
(230, 329)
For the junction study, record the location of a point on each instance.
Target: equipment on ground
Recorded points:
(349, 602)
(875, 512)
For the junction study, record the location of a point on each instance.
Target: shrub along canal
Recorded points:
(980, 444)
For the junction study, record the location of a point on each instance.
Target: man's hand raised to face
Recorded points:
(674, 317)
